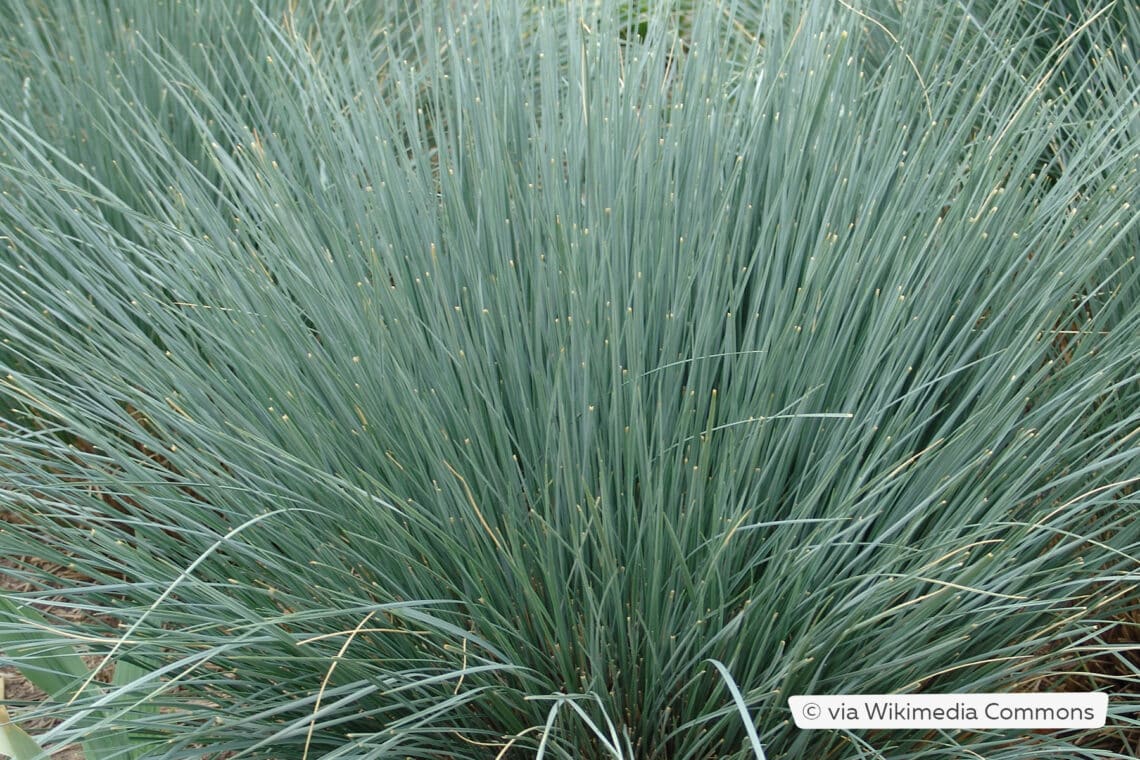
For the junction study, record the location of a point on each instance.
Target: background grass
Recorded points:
(424, 381)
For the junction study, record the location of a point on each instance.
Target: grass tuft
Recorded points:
(567, 379)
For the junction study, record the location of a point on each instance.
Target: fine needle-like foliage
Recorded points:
(566, 379)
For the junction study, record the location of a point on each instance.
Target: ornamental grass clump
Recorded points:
(566, 379)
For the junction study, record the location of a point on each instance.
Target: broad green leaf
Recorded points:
(56, 669)
(15, 742)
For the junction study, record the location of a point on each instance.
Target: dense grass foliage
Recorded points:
(448, 380)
